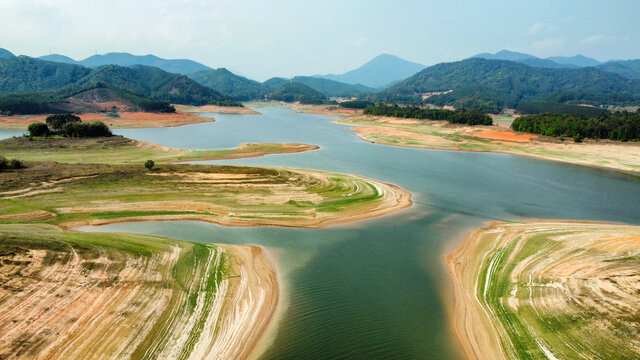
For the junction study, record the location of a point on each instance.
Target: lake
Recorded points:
(379, 289)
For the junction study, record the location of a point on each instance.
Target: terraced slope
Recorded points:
(69, 295)
(548, 290)
(73, 195)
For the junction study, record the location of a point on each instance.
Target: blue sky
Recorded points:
(261, 39)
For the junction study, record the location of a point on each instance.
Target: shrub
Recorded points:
(37, 128)
(149, 164)
(57, 121)
(10, 164)
(85, 130)
(16, 164)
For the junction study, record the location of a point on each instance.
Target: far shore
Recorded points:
(244, 110)
(440, 135)
(124, 120)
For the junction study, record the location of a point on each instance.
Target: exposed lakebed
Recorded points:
(379, 288)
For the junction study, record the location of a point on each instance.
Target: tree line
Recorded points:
(622, 126)
(458, 116)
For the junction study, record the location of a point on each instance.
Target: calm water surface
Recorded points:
(378, 289)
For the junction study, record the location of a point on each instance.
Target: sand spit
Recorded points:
(115, 296)
(548, 289)
(623, 156)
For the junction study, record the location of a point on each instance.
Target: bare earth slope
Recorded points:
(548, 290)
(72, 295)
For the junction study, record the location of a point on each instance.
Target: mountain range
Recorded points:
(493, 84)
(486, 81)
(178, 66)
(626, 68)
(21, 74)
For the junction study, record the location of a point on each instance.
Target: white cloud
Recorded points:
(536, 28)
(593, 39)
(549, 45)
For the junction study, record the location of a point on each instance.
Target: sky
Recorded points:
(261, 39)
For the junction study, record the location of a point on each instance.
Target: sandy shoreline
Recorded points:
(249, 304)
(481, 336)
(474, 332)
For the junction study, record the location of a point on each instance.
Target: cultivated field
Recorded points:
(548, 290)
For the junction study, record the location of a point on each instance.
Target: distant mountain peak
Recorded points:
(6, 54)
(505, 55)
(58, 58)
(381, 71)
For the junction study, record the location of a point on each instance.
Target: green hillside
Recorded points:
(627, 68)
(332, 88)
(157, 84)
(492, 84)
(28, 75)
(293, 91)
(6, 54)
(226, 82)
(78, 99)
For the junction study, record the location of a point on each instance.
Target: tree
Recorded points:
(37, 128)
(149, 164)
(57, 121)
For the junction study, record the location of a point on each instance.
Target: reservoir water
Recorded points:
(379, 289)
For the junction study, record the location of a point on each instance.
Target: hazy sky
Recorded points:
(261, 39)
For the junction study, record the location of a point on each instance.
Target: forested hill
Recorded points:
(93, 97)
(627, 68)
(28, 75)
(226, 82)
(157, 84)
(6, 54)
(332, 88)
(490, 84)
(293, 91)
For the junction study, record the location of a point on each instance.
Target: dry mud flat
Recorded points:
(112, 296)
(548, 290)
